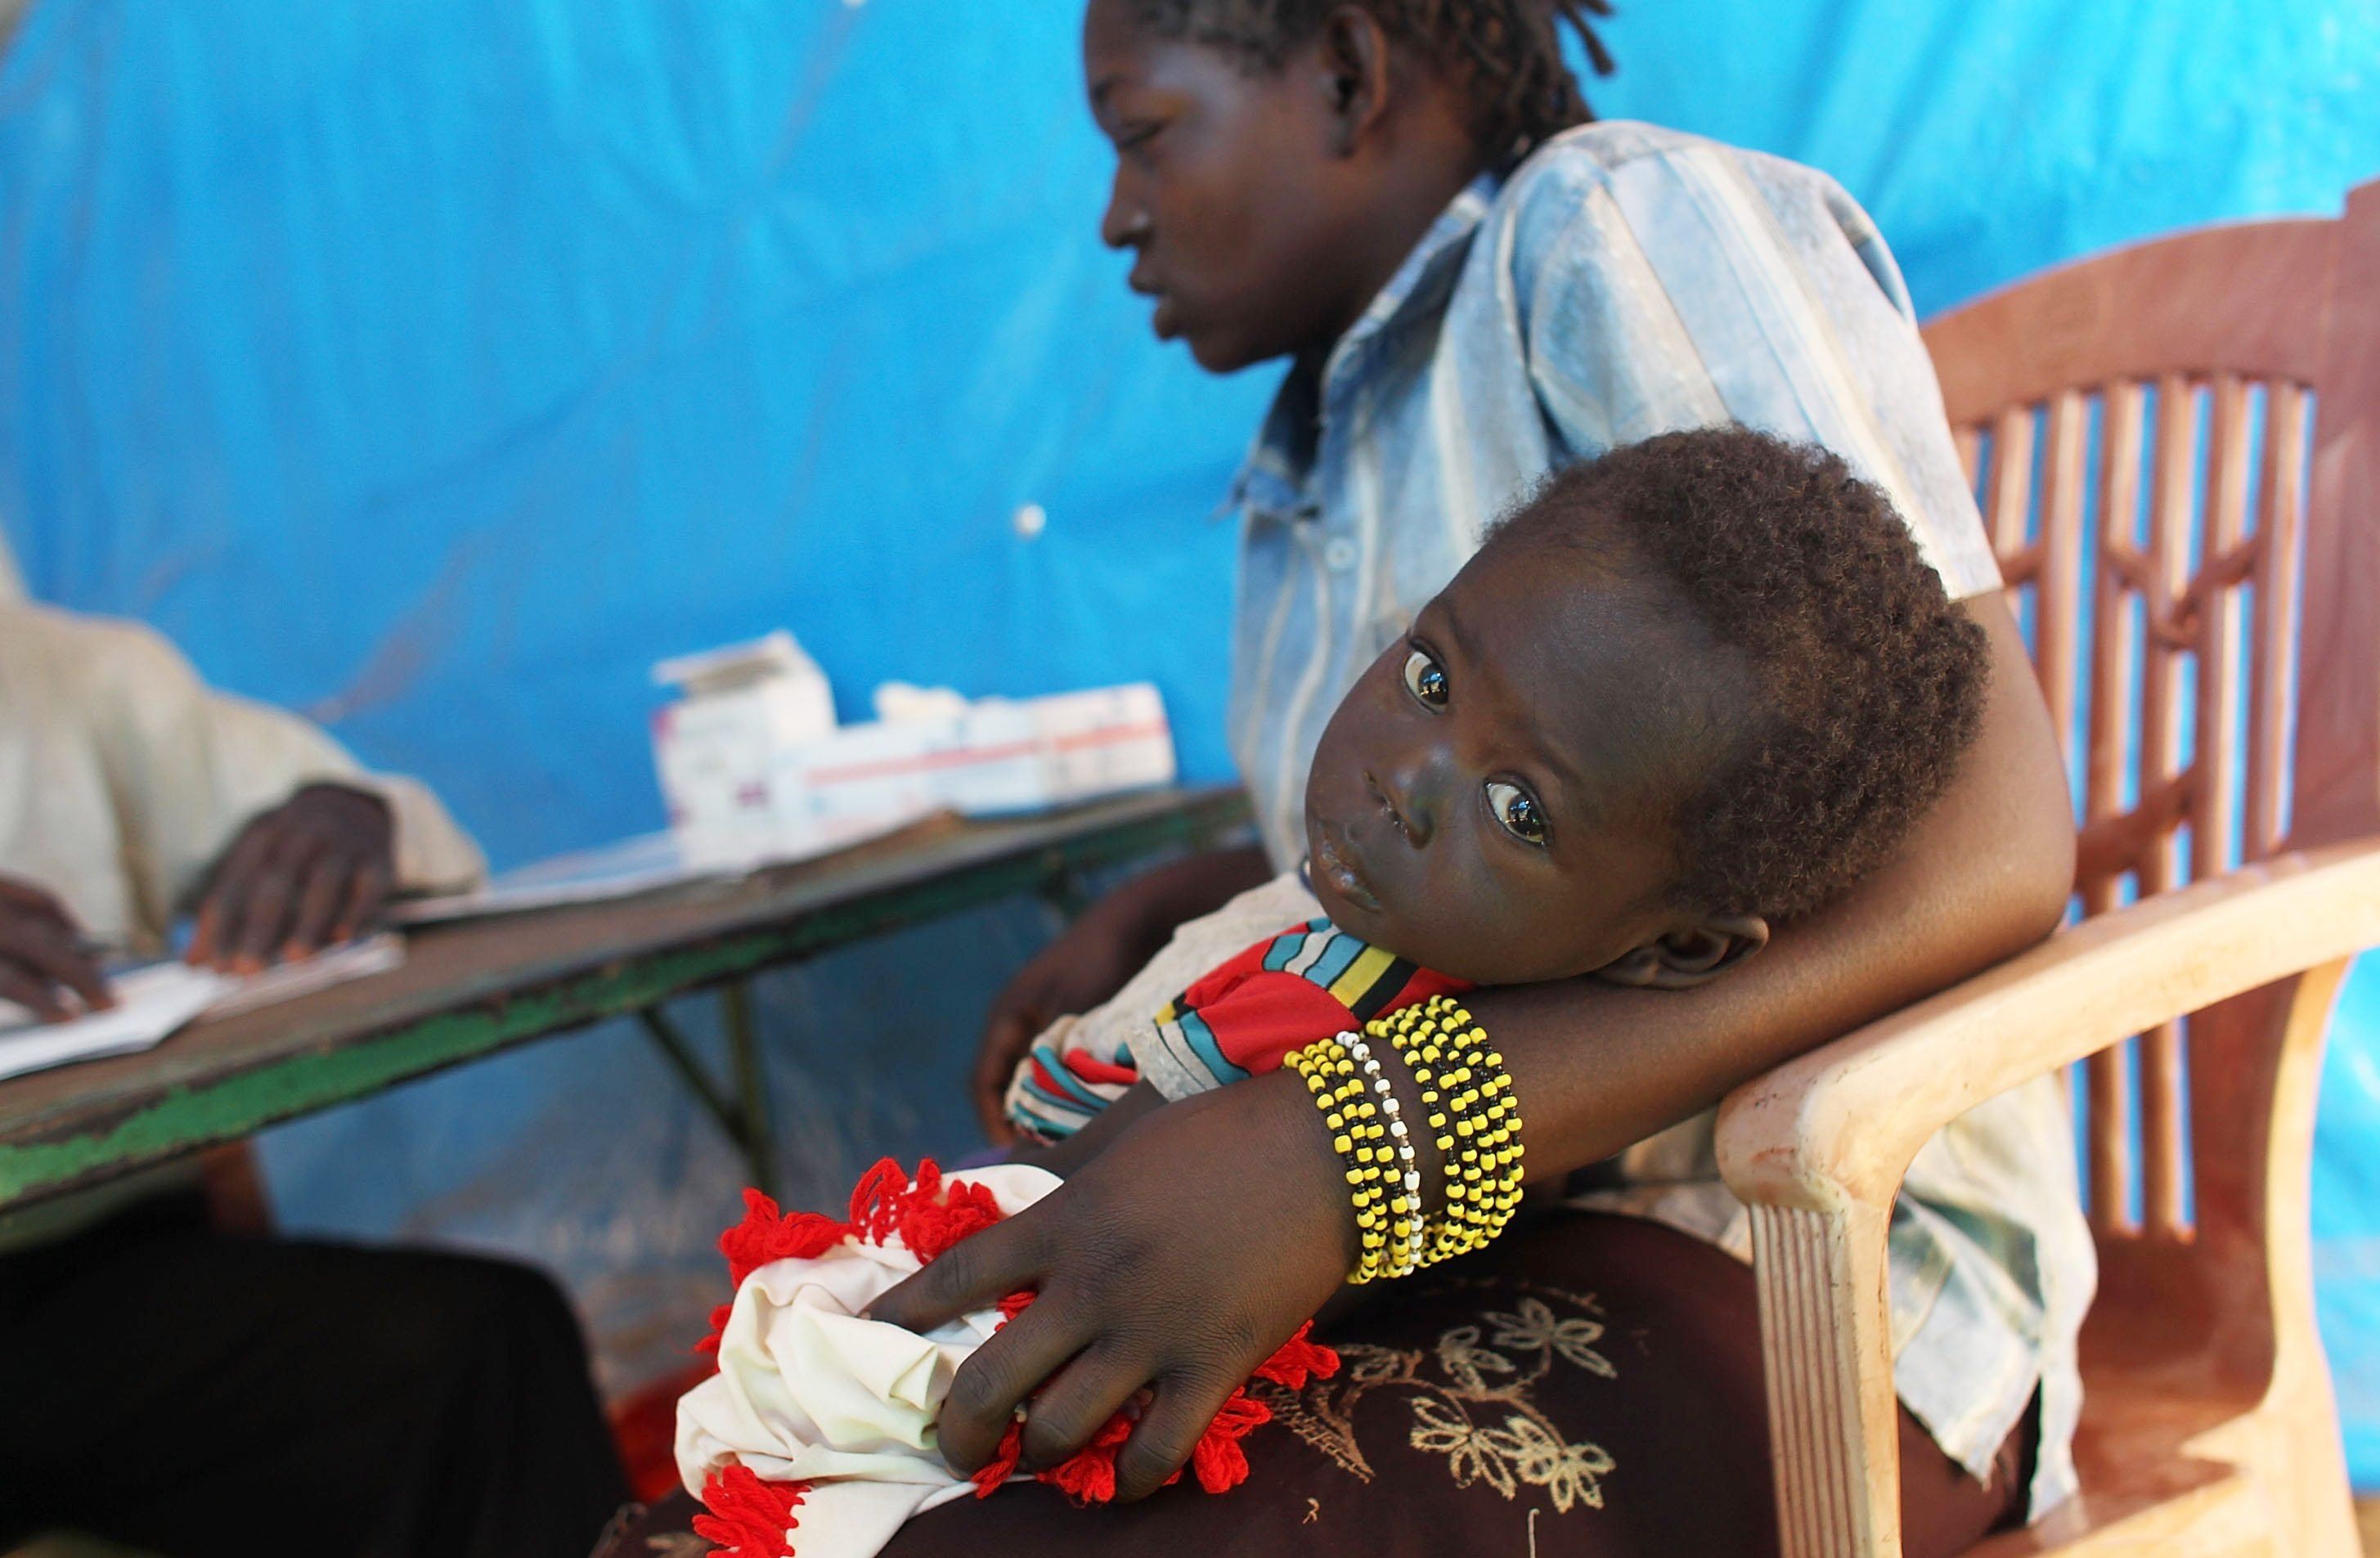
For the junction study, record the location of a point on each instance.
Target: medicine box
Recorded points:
(753, 766)
(998, 756)
(715, 747)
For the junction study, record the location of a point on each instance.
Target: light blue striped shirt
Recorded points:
(1624, 281)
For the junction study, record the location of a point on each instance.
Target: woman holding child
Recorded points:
(1474, 288)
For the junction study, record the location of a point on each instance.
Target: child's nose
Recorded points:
(1416, 793)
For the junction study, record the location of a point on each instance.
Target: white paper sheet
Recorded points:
(633, 866)
(150, 1003)
(153, 1001)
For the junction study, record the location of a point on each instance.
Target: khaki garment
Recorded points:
(123, 776)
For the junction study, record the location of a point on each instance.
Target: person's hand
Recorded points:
(1175, 1261)
(1085, 964)
(42, 955)
(307, 874)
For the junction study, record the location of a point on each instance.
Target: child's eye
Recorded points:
(1517, 809)
(1426, 679)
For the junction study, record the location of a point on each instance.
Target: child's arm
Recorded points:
(1096, 958)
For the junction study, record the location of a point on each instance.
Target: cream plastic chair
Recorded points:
(2223, 385)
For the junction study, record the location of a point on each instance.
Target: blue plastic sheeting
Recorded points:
(435, 367)
(2347, 1216)
(438, 366)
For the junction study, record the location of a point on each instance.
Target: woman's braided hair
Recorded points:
(1506, 54)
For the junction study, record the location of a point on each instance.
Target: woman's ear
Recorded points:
(1354, 56)
(1683, 959)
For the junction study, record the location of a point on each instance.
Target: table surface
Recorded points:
(473, 987)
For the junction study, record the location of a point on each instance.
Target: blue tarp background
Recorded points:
(434, 367)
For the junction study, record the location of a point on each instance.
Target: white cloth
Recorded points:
(123, 776)
(809, 1391)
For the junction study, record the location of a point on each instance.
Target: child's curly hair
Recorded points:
(1520, 89)
(1867, 683)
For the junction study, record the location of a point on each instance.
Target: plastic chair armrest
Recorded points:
(1839, 1125)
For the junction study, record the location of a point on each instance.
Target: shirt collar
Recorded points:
(1422, 278)
(1270, 474)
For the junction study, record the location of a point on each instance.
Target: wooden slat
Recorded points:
(2115, 642)
(2057, 601)
(2113, 645)
(2111, 1145)
(2171, 519)
(2280, 521)
(2019, 568)
(2222, 626)
(2232, 570)
(1823, 1304)
(2008, 490)
(1969, 441)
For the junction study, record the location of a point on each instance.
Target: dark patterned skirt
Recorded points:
(1590, 1385)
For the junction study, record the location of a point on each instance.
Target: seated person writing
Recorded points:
(131, 793)
(1694, 687)
(335, 1399)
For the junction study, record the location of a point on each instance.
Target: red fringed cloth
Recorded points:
(752, 1517)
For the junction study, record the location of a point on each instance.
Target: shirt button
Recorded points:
(1339, 555)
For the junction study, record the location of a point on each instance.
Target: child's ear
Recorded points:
(1683, 959)
(1355, 58)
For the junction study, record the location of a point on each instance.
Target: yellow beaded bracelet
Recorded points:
(1360, 1140)
(1468, 1110)
(1476, 1123)
(1394, 1155)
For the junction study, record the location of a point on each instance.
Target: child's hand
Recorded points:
(1096, 957)
(1091, 962)
(1178, 1259)
(1066, 1158)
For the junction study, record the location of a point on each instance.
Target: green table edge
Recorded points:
(240, 1104)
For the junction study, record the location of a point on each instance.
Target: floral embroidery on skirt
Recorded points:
(1473, 1398)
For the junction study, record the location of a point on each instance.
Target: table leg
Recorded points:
(758, 1135)
(1065, 890)
(744, 1118)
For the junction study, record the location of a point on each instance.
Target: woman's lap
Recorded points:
(1592, 1386)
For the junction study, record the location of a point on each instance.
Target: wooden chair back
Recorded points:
(2177, 447)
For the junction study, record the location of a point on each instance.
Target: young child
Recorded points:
(1686, 690)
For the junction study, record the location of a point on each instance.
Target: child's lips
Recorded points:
(1332, 861)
